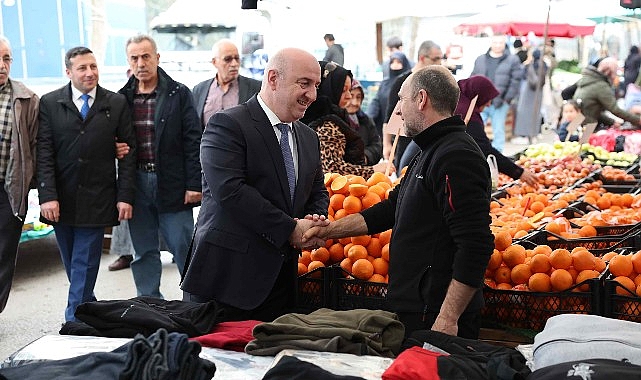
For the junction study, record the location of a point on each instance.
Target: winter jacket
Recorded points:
(77, 158)
(177, 144)
(22, 162)
(597, 95)
(507, 78)
(440, 217)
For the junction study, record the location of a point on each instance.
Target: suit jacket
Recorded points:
(247, 87)
(246, 216)
(76, 158)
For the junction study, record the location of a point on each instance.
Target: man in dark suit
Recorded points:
(227, 88)
(255, 206)
(77, 185)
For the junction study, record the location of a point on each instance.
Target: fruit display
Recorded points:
(600, 155)
(364, 257)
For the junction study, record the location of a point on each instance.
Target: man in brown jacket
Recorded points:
(18, 129)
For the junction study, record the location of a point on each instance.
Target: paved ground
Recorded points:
(39, 294)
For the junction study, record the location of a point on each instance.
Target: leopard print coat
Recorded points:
(337, 155)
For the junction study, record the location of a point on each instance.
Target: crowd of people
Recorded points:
(252, 155)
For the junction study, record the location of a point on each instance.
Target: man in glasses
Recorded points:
(227, 88)
(18, 129)
(168, 179)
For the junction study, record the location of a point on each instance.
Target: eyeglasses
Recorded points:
(7, 60)
(229, 58)
(329, 67)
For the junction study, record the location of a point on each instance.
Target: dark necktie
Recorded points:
(287, 157)
(84, 110)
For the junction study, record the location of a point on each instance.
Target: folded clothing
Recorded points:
(359, 332)
(232, 336)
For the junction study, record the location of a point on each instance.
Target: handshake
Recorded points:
(310, 232)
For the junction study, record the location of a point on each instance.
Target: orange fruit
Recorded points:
(341, 213)
(582, 259)
(385, 252)
(537, 206)
(608, 256)
(356, 179)
(361, 240)
(305, 258)
(336, 201)
(378, 177)
(520, 274)
(362, 269)
(378, 190)
(599, 264)
(540, 282)
(495, 260)
(603, 203)
(385, 236)
(637, 279)
(587, 231)
(314, 264)
(502, 240)
(636, 261)
(352, 204)
(346, 265)
(504, 286)
(381, 266)
(503, 275)
(377, 278)
(560, 258)
(347, 246)
(514, 255)
(374, 248)
(329, 177)
(543, 248)
(621, 265)
(357, 252)
(370, 199)
(585, 275)
(358, 190)
(340, 185)
(627, 199)
(336, 253)
(638, 291)
(302, 269)
(560, 279)
(540, 263)
(519, 234)
(320, 254)
(344, 241)
(627, 283)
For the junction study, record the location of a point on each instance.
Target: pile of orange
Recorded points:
(626, 270)
(615, 174)
(364, 257)
(541, 269)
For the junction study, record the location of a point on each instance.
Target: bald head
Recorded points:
(226, 60)
(289, 83)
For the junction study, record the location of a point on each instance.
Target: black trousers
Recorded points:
(10, 231)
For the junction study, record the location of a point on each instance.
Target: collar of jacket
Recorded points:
(19, 90)
(438, 129)
(592, 72)
(164, 82)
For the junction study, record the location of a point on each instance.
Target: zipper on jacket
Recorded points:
(448, 192)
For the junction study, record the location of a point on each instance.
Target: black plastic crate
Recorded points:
(626, 307)
(313, 290)
(633, 183)
(530, 310)
(352, 293)
(593, 244)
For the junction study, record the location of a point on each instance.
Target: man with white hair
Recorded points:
(227, 88)
(595, 90)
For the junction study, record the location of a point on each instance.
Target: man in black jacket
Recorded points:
(77, 185)
(168, 179)
(439, 214)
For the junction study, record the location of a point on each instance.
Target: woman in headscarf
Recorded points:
(342, 149)
(483, 87)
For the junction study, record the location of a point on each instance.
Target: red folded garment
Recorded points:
(232, 336)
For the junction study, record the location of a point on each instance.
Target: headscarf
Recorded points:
(476, 85)
(326, 107)
(404, 61)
